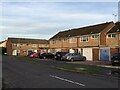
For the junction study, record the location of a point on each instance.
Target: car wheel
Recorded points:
(72, 59)
(44, 57)
(84, 59)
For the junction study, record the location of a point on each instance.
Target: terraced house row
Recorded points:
(24, 46)
(96, 42)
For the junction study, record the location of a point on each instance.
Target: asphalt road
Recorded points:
(23, 73)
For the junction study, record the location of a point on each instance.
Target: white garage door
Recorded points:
(14, 52)
(88, 53)
(71, 51)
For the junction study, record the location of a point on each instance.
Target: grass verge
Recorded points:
(80, 68)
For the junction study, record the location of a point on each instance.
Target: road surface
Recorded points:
(22, 73)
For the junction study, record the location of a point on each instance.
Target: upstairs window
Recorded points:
(73, 40)
(65, 39)
(53, 41)
(111, 35)
(84, 39)
(14, 45)
(34, 45)
(96, 36)
(24, 51)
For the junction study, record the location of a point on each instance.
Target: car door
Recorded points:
(76, 57)
(79, 57)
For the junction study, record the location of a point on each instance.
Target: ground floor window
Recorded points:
(24, 51)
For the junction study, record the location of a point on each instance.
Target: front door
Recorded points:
(104, 54)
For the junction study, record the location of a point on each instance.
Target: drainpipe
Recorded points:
(118, 34)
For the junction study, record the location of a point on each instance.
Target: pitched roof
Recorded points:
(26, 40)
(116, 28)
(82, 31)
(3, 41)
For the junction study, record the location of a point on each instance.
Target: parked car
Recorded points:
(59, 55)
(34, 55)
(115, 60)
(31, 53)
(74, 56)
(45, 55)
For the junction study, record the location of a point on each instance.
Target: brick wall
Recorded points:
(9, 48)
(90, 42)
(58, 44)
(95, 54)
(112, 41)
(102, 39)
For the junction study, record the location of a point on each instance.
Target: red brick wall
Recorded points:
(57, 45)
(103, 34)
(91, 42)
(113, 50)
(112, 41)
(9, 48)
(102, 39)
(95, 54)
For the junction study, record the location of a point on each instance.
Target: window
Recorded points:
(95, 36)
(34, 45)
(53, 41)
(24, 51)
(73, 39)
(111, 35)
(84, 39)
(18, 45)
(59, 39)
(14, 44)
(65, 39)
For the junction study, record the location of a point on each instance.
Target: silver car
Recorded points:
(74, 56)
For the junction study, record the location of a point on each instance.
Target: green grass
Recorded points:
(80, 68)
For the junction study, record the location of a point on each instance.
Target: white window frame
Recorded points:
(24, 51)
(14, 44)
(34, 45)
(65, 39)
(53, 41)
(93, 36)
(73, 40)
(81, 39)
(111, 35)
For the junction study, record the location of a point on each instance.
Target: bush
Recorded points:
(3, 50)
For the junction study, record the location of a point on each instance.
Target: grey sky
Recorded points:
(44, 19)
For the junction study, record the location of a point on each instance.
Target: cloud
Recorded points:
(51, 17)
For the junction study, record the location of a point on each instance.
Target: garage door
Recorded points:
(104, 54)
(88, 53)
(14, 52)
(71, 51)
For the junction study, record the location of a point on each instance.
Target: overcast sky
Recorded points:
(41, 20)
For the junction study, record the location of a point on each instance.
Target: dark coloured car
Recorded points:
(59, 55)
(74, 56)
(115, 60)
(46, 55)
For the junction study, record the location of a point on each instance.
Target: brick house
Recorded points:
(86, 40)
(3, 43)
(113, 39)
(23, 46)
